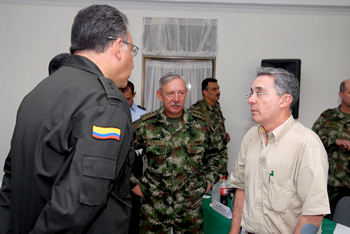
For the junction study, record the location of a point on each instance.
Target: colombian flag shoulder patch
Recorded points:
(105, 133)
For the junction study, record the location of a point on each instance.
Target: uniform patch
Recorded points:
(331, 125)
(148, 115)
(105, 133)
(198, 115)
(195, 142)
(156, 142)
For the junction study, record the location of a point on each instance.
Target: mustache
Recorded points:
(175, 104)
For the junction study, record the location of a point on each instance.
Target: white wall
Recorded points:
(31, 35)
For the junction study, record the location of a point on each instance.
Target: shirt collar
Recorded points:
(188, 119)
(340, 113)
(210, 107)
(276, 135)
(133, 107)
(83, 63)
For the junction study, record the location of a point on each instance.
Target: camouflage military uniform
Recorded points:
(332, 125)
(214, 116)
(179, 164)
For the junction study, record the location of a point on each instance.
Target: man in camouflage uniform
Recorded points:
(183, 157)
(333, 127)
(210, 107)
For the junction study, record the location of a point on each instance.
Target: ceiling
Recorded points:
(325, 6)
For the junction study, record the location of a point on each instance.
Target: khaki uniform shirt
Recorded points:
(283, 180)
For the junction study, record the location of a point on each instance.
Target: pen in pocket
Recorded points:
(271, 174)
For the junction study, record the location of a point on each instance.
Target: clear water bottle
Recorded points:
(216, 192)
(223, 191)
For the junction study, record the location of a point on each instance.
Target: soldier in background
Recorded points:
(333, 127)
(183, 157)
(129, 94)
(210, 107)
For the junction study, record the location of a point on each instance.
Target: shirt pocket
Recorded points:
(98, 172)
(195, 152)
(279, 194)
(156, 155)
(331, 126)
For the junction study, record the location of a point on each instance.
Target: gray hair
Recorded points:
(285, 82)
(168, 77)
(93, 25)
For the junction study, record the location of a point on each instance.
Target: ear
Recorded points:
(205, 92)
(134, 94)
(186, 94)
(286, 100)
(341, 95)
(117, 47)
(159, 95)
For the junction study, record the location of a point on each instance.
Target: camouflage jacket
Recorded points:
(332, 125)
(213, 115)
(176, 157)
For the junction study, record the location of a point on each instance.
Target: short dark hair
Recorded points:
(93, 25)
(206, 81)
(57, 62)
(131, 85)
(342, 86)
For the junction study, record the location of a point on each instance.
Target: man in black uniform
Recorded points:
(71, 152)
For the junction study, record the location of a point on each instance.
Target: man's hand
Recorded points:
(209, 186)
(227, 137)
(343, 143)
(137, 191)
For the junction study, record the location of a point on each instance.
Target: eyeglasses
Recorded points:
(257, 93)
(134, 49)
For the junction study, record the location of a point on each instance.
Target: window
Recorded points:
(194, 70)
(184, 46)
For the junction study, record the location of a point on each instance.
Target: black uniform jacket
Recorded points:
(71, 155)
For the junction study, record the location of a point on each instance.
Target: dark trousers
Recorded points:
(334, 195)
(134, 225)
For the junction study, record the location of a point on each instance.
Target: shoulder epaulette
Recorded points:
(148, 115)
(198, 115)
(109, 86)
(141, 107)
(113, 96)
